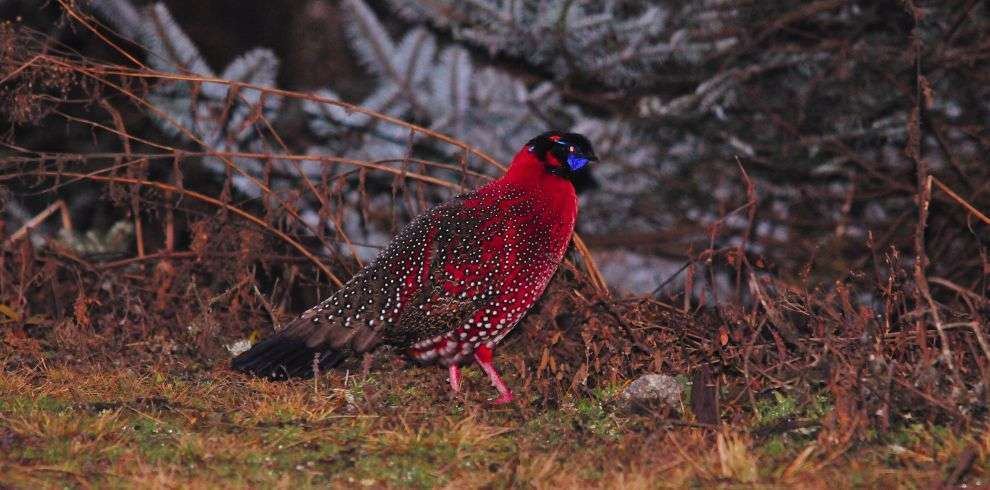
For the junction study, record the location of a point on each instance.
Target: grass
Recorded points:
(117, 427)
(806, 366)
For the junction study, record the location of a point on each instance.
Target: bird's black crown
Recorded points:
(571, 152)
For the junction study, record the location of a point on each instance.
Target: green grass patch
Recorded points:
(399, 431)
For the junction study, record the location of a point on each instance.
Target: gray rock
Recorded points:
(654, 387)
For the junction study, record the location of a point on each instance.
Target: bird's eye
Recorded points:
(571, 149)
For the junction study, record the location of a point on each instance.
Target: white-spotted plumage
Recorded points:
(453, 282)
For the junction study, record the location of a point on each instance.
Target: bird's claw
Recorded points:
(503, 399)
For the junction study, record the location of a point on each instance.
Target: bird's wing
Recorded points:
(510, 250)
(370, 307)
(482, 278)
(431, 302)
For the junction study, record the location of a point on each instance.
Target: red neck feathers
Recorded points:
(528, 173)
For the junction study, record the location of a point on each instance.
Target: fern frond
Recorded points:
(370, 40)
(169, 48)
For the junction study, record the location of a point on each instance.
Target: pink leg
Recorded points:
(483, 354)
(455, 378)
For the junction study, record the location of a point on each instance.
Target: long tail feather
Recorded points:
(286, 356)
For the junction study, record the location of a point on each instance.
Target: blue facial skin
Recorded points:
(576, 161)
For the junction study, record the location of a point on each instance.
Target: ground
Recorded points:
(837, 301)
(198, 426)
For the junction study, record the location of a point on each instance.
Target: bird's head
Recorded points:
(566, 155)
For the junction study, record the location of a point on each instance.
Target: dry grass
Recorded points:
(121, 427)
(112, 364)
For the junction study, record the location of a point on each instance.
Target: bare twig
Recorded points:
(58, 205)
(209, 200)
(962, 202)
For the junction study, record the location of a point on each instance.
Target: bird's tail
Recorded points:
(286, 355)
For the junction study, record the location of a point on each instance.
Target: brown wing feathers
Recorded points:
(373, 306)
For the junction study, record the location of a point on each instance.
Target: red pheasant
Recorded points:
(453, 282)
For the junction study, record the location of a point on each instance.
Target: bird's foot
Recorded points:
(455, 378)
(483, 354)
(506, 397)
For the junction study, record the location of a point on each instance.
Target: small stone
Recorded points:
(650, 387)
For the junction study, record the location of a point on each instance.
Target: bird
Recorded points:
(453, 282)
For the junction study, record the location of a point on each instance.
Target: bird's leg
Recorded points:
(483, 354)
(455, 378)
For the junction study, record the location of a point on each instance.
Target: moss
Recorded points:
(214, 433)
(775, 447)
(50, 452)
(775, 408)
(686, 384)
(592, 416)
(820, 405)
(26, 405)
(907, 435)
(607, 392)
